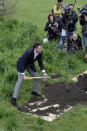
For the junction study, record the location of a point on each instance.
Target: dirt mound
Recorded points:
(57, 98)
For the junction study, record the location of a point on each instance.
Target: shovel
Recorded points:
(31, 78)
(51, 77)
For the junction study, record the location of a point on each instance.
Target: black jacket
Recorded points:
(27, 60)
(47, 28)
(76, 45)
(84, 24)
(53, 31)
(69, 21)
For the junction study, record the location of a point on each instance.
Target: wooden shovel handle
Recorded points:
(31, 78)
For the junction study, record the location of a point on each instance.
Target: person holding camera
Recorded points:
(74, 43)
(52, 27)
(83, 22)
(69, 20)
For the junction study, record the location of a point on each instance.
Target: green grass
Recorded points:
(18, 33)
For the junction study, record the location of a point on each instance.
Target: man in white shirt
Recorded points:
(26, 62)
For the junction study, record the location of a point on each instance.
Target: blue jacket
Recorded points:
(27, 60)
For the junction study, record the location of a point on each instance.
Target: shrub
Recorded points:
(11, 124)
(3, 112)
(11, 24)
(14, 34)
(6, 91)
(48, 57)
(80, 55)
(73, 62)
(11, 77)
(28, 34)
(2, 66)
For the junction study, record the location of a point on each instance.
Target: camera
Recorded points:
(55, 24)
(67, 10)
(55, 27)
(83, 11)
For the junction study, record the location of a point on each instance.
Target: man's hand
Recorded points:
(65, 44)
(25, 77)
(45, 75)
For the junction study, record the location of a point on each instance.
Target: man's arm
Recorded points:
(75, 17)
(22, 61)
(48, 26)
(41, 65)
(82, 19)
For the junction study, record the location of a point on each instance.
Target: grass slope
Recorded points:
(17, 35)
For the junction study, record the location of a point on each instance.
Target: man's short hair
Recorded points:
(36, 45)
(70, 5)
(59, 1)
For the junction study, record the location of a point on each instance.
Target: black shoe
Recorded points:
(36, 94)
(13, 101)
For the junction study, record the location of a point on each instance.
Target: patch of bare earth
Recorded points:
(57, 100)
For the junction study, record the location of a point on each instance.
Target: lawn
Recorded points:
(18, 32)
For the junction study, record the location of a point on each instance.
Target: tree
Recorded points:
(7, 7)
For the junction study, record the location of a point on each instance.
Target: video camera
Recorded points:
(55, 27)
(83, 11)
(67, 10)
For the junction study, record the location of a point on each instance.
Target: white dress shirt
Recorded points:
(35, 55)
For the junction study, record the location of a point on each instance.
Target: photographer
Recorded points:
(74, 43)
(52, 27)
(83, 22)
(69, 20)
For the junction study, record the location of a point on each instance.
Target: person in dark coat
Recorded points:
(83, 22)
(26, 62)
(69, 20)
(52, 27)
(74, 43)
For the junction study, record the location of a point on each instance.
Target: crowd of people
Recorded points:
(62, 25)
(27, 63)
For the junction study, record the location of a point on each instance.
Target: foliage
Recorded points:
(18, 34)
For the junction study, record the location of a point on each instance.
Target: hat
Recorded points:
(59, 0)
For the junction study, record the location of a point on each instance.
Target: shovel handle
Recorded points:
(31, 78)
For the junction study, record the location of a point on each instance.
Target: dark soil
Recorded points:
(57, 93)
(56, 76)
